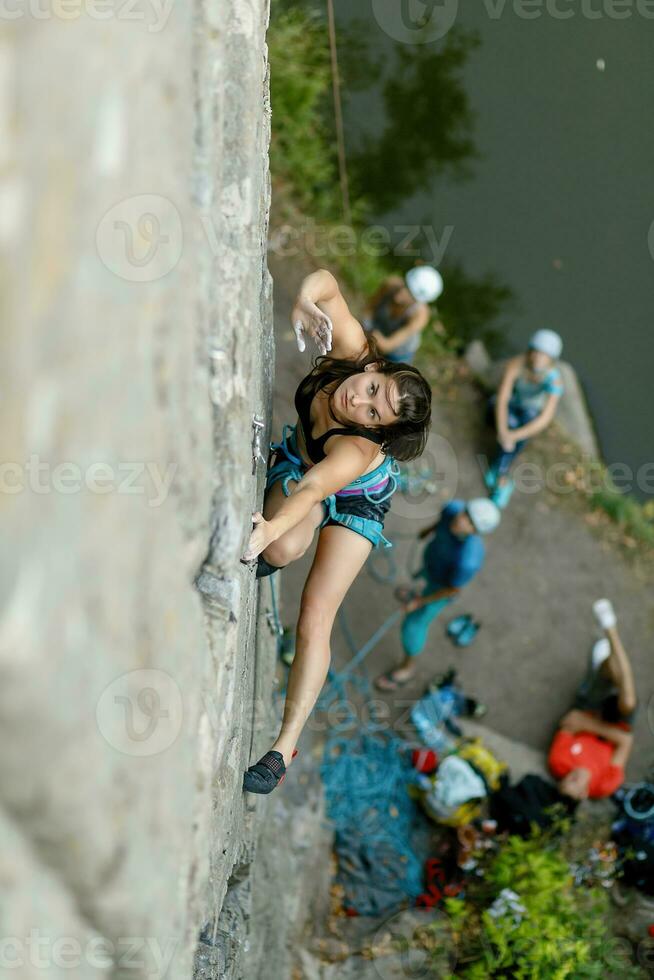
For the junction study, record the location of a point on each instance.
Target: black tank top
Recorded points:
(307, 389)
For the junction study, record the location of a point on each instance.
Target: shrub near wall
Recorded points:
(562, 931)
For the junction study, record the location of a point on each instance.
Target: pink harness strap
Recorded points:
(373, 489)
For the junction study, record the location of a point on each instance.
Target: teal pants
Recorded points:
(415, 625)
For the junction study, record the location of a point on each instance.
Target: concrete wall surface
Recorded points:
(136, 350)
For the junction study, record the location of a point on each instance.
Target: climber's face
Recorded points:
(369, 398)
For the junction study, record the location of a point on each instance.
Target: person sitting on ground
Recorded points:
(357, 412)
(589, 752)
(525, 404)
(398, 312)
(454, 555)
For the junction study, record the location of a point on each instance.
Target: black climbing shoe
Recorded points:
(264, 568)
(265, 774)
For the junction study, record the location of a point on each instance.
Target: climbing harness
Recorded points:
(382, 482)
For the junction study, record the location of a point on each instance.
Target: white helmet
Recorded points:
(484, 514)
(424, 283)
(548, 342)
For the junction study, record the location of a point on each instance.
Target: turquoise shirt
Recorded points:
(452, 561)
(531, 396)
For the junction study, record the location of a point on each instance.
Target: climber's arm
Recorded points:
(320, 311)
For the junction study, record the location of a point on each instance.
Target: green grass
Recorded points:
(301, 151)
(625, 511)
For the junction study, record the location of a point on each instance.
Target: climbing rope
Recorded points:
(366, 779)
(274, 621)
(366, 772)
(338, 115)
(350, 679)
(382, 566)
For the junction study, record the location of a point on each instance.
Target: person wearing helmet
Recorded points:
(453, 556)
(594, 741)
(398, 312)
(525, 404)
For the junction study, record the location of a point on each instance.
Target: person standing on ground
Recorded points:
(525, 404)
(398, 312)
(590, 750)
(452, 558)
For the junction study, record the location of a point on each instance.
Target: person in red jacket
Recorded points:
(590, 750)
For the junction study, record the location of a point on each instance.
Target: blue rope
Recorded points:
(366, 779)
(366, 772)
(371, 643)
(390, 577)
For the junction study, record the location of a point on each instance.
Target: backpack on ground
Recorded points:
(461, 783)
(531, 802)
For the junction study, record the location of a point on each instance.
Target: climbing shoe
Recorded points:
(457, 624)
(502, 494)
(490, 478)
(605, 613)
(266, 774)
(467, 634)
(462, 630)
(264, 568)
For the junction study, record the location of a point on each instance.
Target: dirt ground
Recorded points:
(545, 566)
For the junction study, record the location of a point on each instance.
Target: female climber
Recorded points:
(398, 312)
(357, 412)
(525, 405)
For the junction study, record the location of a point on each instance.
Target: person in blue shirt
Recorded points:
(454, 555)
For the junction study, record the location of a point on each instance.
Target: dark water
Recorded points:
(560, 202)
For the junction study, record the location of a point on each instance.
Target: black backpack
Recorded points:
(531, 801)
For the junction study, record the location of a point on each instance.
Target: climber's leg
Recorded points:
(295, 542)
(340, 555)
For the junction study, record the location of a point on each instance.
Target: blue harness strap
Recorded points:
(293, 468)
(366, 526)
(363, 484)
(291, 454)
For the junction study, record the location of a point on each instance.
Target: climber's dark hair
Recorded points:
(406, 438)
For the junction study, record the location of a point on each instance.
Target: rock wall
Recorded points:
(136, 352)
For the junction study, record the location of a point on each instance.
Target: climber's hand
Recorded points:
(309, 321)
(260, 538)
